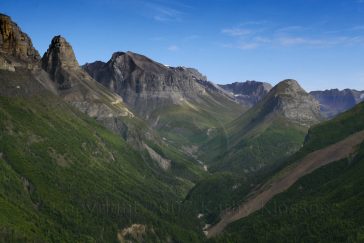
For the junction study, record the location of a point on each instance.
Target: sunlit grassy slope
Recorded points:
(193, 124)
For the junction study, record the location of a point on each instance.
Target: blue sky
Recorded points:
(318, 42)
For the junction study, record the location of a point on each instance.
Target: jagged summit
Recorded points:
(58, 60)
(59, 52)
(16, 47)
(63, 51)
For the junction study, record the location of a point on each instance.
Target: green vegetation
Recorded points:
(334, 130)
(241, 156)
(66, 178)
(325, 206)
(193, 124)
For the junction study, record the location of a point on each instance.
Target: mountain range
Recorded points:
(131, 150)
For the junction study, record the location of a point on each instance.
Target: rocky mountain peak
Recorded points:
(58, 59)
(289, 99)
(15, 45)
(60, 52)
(147, 85)
(288, 87)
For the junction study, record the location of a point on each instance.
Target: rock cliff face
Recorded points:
(16, 48)
(334, 101)
(180, 103)
(290, 100)
(147, 85)
(21, 74)
(58, 76)
(248, 93)
(61, 75)
(79, 89)
(60, 62)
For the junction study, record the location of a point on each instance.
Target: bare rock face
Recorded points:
(24, 74)
(16, 47)
(146, 85)
(20, 72)
(79, 89)
(288, 99)
(60, 62)
(249, 92)
(334, 101)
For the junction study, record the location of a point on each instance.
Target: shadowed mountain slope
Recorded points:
(325, 204)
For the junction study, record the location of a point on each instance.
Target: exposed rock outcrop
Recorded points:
(60, 62)
(146, 85)
(248, 93)
(16, 47)
(58, 72)
(334, 101)
(79, 89)
(21, 74)
(163, 163)
(288, 99)
(134, 233)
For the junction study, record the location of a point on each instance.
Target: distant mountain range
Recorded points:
(332, 102)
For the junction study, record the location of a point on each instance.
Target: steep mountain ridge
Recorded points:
(76, 87)
(59, 74)
(19, 61)
(147, 85)
(179, 102)
(15, 46)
